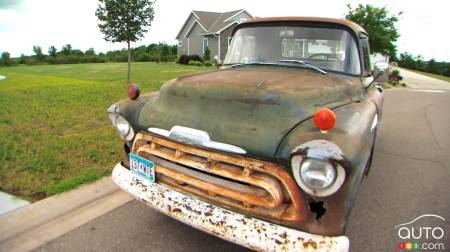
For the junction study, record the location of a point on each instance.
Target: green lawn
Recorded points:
(54, 131)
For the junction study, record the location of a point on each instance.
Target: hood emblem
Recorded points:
(196, 137)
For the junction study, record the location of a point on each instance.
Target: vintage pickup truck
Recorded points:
(268, 151)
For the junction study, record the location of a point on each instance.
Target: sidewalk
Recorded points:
(10, 203)
(36, 224)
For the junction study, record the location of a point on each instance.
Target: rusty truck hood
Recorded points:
(250, 107)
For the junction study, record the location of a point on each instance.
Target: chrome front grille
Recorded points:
(252, 186)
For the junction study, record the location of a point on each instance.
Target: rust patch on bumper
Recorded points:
(249, 232)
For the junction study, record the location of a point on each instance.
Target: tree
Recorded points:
(420, 63)
(174, 49)
(431, 67)
(407, 61)
(125, 21)
(5, 59)
(447, 69)
(22, 59)
(66, 50)
(77, 53)
(153, 49)
(52, 51)
(38, 52)
(90, 52)
(380, 25)
(165, 49)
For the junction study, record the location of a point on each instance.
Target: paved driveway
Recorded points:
(420, 81)
(410, 177)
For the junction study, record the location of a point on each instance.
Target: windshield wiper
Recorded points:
(305, 63)
(255, 64)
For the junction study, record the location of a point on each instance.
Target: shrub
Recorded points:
(196, 58)
(143, 57)
(195, 63)
(164, 58)
(153, 53)
(153, 59)
(91, 59)
(172, 58)
(393, 82)
(118, 58)
(50, 60)
(32, 61)
(184, 59)
(395, 76)
(71, 59)
(208, 63)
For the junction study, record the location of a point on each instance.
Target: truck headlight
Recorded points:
(317, 174)
(122, 126)
(317, 177)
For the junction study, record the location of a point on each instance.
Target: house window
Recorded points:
(205, 44)
(180, 43)
(229, 41)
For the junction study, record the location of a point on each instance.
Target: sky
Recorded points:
(23, 23)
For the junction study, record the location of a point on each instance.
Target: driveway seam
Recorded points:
(429, 124)
(408, 157)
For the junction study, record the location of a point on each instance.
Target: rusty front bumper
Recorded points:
(249, 232)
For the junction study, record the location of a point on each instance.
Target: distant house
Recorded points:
(211, 30)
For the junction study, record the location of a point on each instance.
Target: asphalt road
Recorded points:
(410, 177)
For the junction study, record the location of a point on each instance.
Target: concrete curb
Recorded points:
(42, 213)
(51, 230)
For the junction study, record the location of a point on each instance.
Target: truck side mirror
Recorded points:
(381, 67)
(380, 73)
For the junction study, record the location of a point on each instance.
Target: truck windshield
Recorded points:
(331, 49)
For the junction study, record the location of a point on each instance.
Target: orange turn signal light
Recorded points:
(133, 91)
(324, 119)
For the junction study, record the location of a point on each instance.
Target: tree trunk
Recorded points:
(129, 63)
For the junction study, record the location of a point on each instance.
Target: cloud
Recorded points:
(10, 4)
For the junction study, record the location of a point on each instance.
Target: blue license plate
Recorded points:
(142, 167)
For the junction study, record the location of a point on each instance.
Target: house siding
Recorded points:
(183, 49)
(196, 41)
(224, 41)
